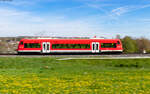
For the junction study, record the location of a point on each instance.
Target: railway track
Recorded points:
(81, 55)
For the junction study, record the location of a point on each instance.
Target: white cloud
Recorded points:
(145, 6)
(7, 12)
(126, 9)
(98, 6)
(20, 23)
(119, 11)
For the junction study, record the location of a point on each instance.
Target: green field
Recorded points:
(51, 76)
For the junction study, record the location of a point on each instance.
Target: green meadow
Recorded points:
(47, 75)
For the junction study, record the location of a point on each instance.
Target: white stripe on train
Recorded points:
(70, 51)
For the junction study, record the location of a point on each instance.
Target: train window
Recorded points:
(48, 47)
(88, 46)
(118, 42)
(44, 46)
(21, 43)
(93, 46)
(108, 45)
(54, 46)
(71, 46)
(96, 46)
(32, 45)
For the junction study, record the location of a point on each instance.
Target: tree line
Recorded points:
(135, 45)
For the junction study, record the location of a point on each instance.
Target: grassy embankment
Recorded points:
(48, 75)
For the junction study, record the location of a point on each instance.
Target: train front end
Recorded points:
(29, 46)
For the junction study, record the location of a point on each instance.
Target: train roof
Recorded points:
(70, 39)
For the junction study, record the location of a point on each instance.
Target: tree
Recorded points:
(143, 44)
(129, 45)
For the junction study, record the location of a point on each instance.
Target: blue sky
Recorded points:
(71, 18)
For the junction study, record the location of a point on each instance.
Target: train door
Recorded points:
(95, 47)
(46, 47)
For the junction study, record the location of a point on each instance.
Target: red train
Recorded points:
(69, 45)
